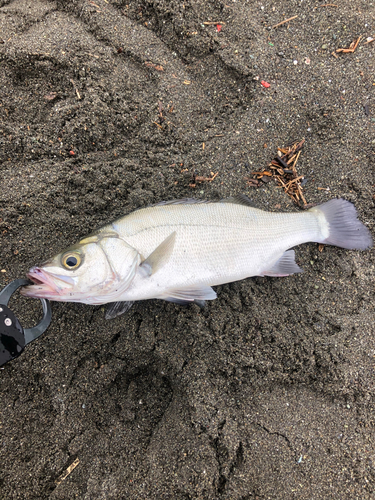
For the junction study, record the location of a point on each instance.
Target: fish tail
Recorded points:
(340, 226)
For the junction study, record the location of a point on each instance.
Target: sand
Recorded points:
(268, 392)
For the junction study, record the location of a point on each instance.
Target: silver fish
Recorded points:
(178, 250)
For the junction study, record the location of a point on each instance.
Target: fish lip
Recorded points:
(45, 285)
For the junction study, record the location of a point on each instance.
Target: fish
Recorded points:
(178, 250)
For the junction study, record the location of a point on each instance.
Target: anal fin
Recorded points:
(285, 266)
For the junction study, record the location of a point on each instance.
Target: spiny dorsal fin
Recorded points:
(159, 256)
(240, 199)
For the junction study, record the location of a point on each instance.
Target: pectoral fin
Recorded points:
(115, 309)
(284, 266)
(159, 256)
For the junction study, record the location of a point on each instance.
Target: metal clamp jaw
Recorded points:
(13, 338)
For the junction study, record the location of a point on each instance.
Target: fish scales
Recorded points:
(215, 243)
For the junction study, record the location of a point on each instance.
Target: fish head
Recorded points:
(94, 271)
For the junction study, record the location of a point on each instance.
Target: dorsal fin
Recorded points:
(240, 199)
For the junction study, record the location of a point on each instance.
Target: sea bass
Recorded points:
(177, 250)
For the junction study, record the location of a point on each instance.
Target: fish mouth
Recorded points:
(45, 285)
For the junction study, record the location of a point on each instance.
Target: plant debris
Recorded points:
(283, 169)
(352, 46)
(197, 179)
(68, 471)
(208, 23)
(158, 67)
(76, 89)
(285, 21)
(51, 96)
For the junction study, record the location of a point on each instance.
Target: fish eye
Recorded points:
(71, 260)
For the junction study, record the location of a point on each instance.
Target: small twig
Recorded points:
(261, 173)
(251, 182)
(158, 67)
(369, 41)
(295, 163)
(75, 88)
(200, 178)
(285, 21)
(294, 180)
(283, 184)
(357, 42)
(300, 192)
(291, 160)
(351, 48)
(207, 23)
(68, 471)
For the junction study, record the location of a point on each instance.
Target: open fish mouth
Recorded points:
(46, 285)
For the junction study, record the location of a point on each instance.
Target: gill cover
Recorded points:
(123, 261)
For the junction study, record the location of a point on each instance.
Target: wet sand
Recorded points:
(268, 392)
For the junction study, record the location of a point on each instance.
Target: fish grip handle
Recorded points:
(13, 337)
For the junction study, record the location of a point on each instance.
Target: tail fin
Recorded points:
(345, 230)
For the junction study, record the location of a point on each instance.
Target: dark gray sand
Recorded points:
(268, 392)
